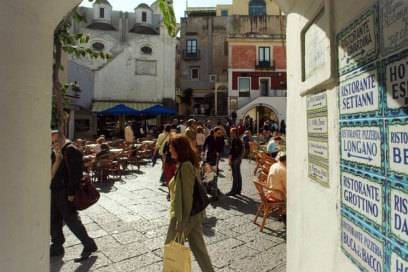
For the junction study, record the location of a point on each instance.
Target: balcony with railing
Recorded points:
(191, 55)
(264, 64)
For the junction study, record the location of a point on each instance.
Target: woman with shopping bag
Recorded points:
(182, 222)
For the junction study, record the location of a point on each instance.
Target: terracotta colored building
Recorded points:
(229, 54)
(257, 77)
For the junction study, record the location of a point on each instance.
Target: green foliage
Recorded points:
(169, 18)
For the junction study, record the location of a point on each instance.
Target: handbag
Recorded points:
(177, 257)
(200, 198)
(87, 194)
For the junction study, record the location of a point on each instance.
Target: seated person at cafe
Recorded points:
(102, 161)
(99, 142)
(277, 179)
(104, 153)
(273, 146)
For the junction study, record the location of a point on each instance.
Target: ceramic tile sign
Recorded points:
(397, 148)
(399, 261)
(318, 172)
(364, 195)
(399, 214)
(317, 103)
(362, 144)
(364, 249)
(317, 125)
(394, 25)
(359, 94)
(318, 148)
(358, 42)
(396, 84)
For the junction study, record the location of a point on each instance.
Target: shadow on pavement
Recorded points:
(87, 264)
(106, 186)
(208, 225)
(239, 203)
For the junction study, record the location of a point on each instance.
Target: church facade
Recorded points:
(140, 72)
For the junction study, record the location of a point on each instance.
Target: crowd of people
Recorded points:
(190, 151)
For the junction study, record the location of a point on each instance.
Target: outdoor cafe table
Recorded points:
(116, 150)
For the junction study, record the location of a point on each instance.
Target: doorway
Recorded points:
(264, 86)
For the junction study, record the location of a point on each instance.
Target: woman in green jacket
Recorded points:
(181, 199)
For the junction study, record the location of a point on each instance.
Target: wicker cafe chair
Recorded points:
(253, 150)
(267, 205)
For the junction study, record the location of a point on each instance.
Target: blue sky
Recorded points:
(179, 5)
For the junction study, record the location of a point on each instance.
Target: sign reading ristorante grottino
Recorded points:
(373, 108)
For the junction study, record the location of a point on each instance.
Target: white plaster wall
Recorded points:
(107, 13)
(126, 85)
(139, 12)
(26, 28)
(313, 210)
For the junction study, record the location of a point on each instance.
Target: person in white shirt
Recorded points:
(129, 135)
(200, 139)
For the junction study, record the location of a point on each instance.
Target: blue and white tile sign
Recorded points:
(399, 214)
(364, 249)
(398, 263)
(359, 93)
(373, 108)
(363, 195)
(394, 25)
(357, 44)
(396, 84)
(362, 145)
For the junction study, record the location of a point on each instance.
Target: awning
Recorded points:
(119, 110)
(99, 106)
(159, 110)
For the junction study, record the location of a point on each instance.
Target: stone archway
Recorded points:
(259, 114)
(26, 28)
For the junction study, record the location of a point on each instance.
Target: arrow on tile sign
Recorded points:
(359, 157)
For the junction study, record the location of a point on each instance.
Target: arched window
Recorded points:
(98, 46)
(146, 50)
(257, 8)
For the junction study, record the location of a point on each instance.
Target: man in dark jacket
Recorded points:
(66, 173)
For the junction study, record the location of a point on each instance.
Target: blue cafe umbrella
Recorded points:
(120, 109)
(158, 110)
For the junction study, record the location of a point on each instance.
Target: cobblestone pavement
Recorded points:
(130, 221)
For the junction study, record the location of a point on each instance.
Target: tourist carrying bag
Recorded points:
(87, 194)
(177, 257)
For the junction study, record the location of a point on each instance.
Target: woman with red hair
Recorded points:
(181, 189)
